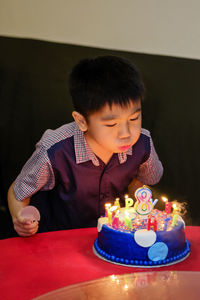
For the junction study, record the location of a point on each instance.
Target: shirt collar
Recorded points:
(123, 156)
(84, 153)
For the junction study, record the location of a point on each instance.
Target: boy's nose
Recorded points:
(124, 131)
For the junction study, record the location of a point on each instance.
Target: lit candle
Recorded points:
(109, 217)
(154, 202)
(128, 201)
(115, 221)
(151, 223)
(113, 209)
(107, 206)
(127, 220)
(175, 207)
(116, 203)
(174, 221)
(175, 215)
(164, 199)
(167, 205)
(155, 225)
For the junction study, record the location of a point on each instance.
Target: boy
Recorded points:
(80, 166)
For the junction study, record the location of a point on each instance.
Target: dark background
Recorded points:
(34, 96)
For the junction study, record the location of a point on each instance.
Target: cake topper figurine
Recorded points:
(144, 203)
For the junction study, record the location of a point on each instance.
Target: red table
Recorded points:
(44, 262)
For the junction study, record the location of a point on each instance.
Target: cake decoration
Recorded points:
(158, 251)
(145, 238)
(140, 235)
(144, 204)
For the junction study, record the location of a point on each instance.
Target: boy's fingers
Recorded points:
(26, 224)
(23, 231)
(25, 221)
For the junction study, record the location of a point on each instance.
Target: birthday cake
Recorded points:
(141, 235)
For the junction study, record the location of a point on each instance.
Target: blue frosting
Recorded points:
(121, 247)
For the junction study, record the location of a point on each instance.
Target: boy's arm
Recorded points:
(151, 171)
(134, 185)
(23, 226)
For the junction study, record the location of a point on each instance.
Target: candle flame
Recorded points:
(107, 205)
(126, 213)
(113, 208)
(179, 208)
(164, 199)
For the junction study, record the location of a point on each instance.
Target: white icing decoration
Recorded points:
(158, 251)
(101, 221)
(145, 238)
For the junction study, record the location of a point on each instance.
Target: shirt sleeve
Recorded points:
(37, 174)
(151, 171)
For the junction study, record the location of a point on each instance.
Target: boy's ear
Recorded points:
(80, 121)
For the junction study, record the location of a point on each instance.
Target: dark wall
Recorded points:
(34, 96)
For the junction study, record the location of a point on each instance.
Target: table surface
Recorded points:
(45, 262)
(165, 285)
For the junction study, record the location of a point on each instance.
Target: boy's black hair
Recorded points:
(104, 80)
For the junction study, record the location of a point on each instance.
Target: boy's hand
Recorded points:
(24, 226)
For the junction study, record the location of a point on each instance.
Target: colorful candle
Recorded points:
(115, 221)
(143, 205)
(109, 217)
(174, 221)
(168, 205)
(128, 201)
(175, 207)
(116, 203)
(113, 209)
(155, 225)
(154, 202)
(175, 215)
(151, 223)
(127, 220)
(107, 207)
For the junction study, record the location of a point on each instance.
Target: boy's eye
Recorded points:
(134, 119)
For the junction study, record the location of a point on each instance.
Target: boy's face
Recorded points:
(114, 129)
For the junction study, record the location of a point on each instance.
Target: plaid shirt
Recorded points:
(37, 174)
(64, 165)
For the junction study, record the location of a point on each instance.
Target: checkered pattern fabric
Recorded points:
(37, 174)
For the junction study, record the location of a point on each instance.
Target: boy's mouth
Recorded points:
(124, 148)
